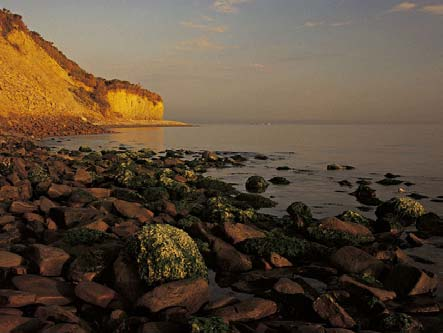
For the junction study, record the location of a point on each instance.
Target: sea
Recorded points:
(412, 151)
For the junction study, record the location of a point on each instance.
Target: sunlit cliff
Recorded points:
(36, 78)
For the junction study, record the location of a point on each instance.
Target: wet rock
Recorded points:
(67, 216)
(335, 167)
(56, 313)
(261, 157)
(11, 324)
(350, 259)
(48, 291)
(21, 207)
(366, 195)
(287, 286)
(238, 232)
(15, 299)
(190, 294)
(397, 213)
(345, 182)
(256, 184)
(210, 156)
(95, 293)
(50, 260)
(64, 328)
(9, 259)
(328, 309)
(389, 182)
(248, 310)
(381, 294)
(255, 201)
(279, 181)
(334, 232)
(83, 176)
(228, 259)
(127, 281)
(431, 224)
(300, 214)
(59, 191)
(133, 210)
(161, 327)
(407, 280)
(279, 261)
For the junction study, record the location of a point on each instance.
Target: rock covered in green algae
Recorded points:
(164, 253)
(276, 241)
(300, 213)
(354, 217)
(219, 210)
(400, 322)
(256, 184)
(255, 201)
(398, 212)
(208, 325)
(84, 236)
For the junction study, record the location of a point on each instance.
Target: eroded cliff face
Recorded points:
(127, 105)
(37, 79)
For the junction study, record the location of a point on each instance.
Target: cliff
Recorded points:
(38, 79)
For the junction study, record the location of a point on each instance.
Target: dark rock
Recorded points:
(431, 224)
(328, 309)
(228, 259)
(408, 280)
(9, 259)
(279, 181)
(256, 184)
(15, 299)
(67, 216)
(352, 260)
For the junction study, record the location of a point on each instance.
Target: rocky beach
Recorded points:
(141, 241)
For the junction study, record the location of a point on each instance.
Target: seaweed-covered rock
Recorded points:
(300, 213)
(355, 217)
(84, 236)
(212, 184)
(256, 184)
(164, 253)
(208, 325)
(399, 322)
(397, 213)
(334, 232)
(291, 248)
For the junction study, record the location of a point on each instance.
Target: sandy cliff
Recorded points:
(37, 79)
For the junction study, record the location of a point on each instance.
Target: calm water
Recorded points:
(415, 152)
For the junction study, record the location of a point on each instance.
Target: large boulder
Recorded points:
(164, 253)
(191, 294)
(352, 260)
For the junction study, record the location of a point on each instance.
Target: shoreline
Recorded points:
(69, 217)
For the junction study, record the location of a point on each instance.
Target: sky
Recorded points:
(363, 61)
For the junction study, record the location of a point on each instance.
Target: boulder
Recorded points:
(238, 232)
(248, 310)
(382, 294)
(56, 313)
(50, 260)
(15, 299)
(431, 224)
(287, 286)
(83, 176)
(68, 216)
(9, 259)
(228, 259)
(191, 294)
(94, 293)
(47, 291)
(12, 324)
(59, 191)
(407, 280)
(133, 210)
(21, 207)
(352, 260)
(328, 309)
(127, 280)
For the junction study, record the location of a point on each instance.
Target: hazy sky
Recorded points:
(260, 60)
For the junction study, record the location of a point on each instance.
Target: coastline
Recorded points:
(73, 215)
